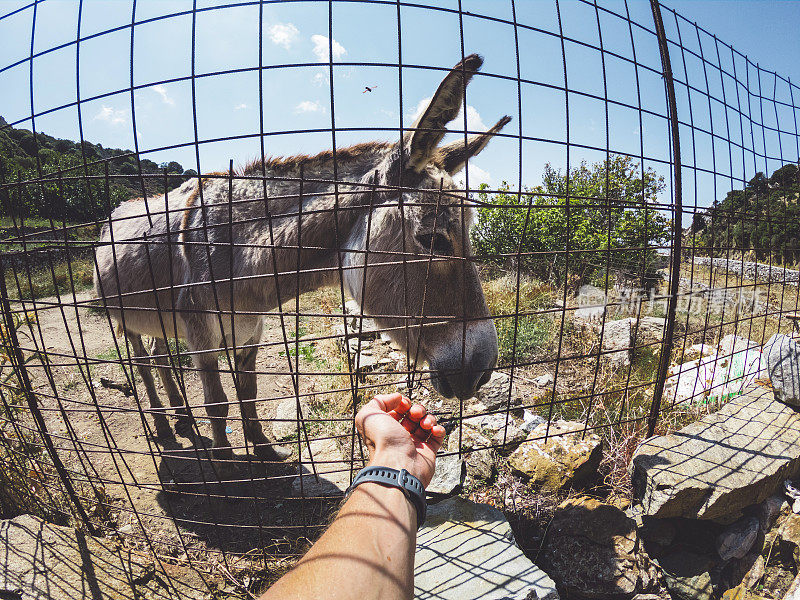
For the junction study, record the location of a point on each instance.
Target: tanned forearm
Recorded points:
(366, 553)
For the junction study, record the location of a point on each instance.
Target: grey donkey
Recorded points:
(385, 219)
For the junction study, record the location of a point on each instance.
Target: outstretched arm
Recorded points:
(368, 551)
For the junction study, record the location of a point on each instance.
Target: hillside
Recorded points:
(763, 218)
(74, 199)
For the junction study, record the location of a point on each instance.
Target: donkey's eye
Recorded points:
(436, 242)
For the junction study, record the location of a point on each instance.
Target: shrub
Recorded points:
(577, 224)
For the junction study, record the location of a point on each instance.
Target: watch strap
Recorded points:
(402, 479)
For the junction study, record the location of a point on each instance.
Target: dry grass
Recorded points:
(47, 280)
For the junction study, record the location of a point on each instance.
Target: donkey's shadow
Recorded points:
(253, 506)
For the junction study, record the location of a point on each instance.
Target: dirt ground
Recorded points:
(166, 491)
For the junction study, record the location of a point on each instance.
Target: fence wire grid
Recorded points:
(634, 246)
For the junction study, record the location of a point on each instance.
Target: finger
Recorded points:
(428, 422)
(380, 404)
(438, 432)
(396, 415)
(404, 405)
(409, 425)
(388, 402)
(416, 412)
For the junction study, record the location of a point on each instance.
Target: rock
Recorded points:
(592, 551)
(287, 411)
(495, 392)
(475, 408)
(755, 573)
(737, 539)
(657, 534)
(793, 593)
(617, 342)
(788, 536)
(648, 330)
(544, 380)
(467, 551)
(740, 592)
(589, 314)
(333, 471)
(469, 439)
(732, 367)
(689, 381)
(357, 323)
(42, 561)
(489, 422)
(530, 420)
(783, 366)
(768, 511)
(696, 351)
(505, 430)
(717, 466)
(592, 302)
(567, 457)
(364, 362)
(687, 575)
(509, 438)
(448, 476)
(480, 464)
(734, 344)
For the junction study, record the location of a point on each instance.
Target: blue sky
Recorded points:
(298, 97)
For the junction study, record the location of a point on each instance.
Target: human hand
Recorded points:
(400, 435)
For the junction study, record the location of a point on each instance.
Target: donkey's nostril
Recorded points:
(484, 379)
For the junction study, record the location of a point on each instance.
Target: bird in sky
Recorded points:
(368, 88)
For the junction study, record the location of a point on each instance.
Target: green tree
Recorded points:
(763, 218)
(599, 216)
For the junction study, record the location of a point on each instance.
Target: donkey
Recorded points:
(205, 261)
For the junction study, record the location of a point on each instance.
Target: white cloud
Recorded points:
(283, 34)
(111, 115)
(241, 106)
(322, 46)
(321, 78)
(162, 91)
(307, 106)
(474, 121)
(477, 176)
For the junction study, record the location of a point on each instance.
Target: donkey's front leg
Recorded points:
(142, 358)
(160, 353)
(265, 448)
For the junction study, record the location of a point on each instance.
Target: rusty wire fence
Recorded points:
(634, 247)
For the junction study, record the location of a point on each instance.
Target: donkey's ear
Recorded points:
(455, 155)
(443, 108)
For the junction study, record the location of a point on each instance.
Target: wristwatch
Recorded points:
(402, 479)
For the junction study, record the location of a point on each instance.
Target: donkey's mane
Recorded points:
(292, 163)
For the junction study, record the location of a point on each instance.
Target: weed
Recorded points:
(534, 330)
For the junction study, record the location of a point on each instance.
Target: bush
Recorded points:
(602, 214)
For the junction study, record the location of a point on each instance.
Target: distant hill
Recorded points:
(76, 199)
(763, 219)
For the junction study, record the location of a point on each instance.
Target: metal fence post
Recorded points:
(677, 229)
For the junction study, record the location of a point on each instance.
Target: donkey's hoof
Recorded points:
(163, 430)
(272, 452)
(184, 428)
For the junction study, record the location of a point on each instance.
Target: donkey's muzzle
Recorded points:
(459, 369)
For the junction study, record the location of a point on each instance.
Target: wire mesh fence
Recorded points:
(616, 274)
